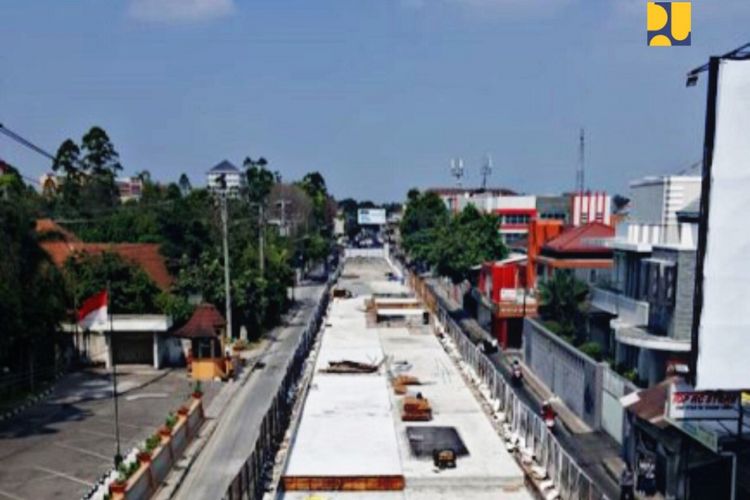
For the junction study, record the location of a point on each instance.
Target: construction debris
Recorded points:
(416, 409)
(347, 366)
(444, 459)
(400, 382)
(341, 293)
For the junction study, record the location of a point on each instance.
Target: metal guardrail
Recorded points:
(251, 480)
(570, 480)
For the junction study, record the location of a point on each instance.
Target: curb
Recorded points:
(32, 400)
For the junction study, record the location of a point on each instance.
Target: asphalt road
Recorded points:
(587, 449)
(60, 447)
(239, 426)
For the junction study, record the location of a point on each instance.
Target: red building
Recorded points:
(505, 299)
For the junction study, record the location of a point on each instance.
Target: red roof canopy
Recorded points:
(577, 239)
(206, 322)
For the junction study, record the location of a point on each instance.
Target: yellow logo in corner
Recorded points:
(668, 23)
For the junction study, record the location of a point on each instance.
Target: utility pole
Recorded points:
(118, 453)
(225, 242)
(581, 163)
(283, 203)
(261, 238)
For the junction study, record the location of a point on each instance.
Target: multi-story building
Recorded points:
(515, 211)
(503, 299)
(581, 251)
(575, 209)
(456, 198)
(647, 305)
(233, 178)
(128, 188)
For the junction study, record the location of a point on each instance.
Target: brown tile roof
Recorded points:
(144, 255)
(48, 226)
(576, 239)
(650, 404)
(206, 321)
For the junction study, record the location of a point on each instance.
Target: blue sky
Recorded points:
(378, 95)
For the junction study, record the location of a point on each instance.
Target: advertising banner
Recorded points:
(721, 336)
(686, 403)
(371, 216)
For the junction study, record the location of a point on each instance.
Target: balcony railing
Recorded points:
(627, 309)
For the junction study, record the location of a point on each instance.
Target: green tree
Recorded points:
(259, 180)
(101, 164)
(423, 211)
(184, 184)
(32, 297)
(470, 239)
(131, 290)
(68, 160)
(561, 298)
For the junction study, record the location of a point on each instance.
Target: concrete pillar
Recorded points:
(108, 358)
(157, 350)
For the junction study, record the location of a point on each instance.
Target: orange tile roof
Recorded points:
(144, 255)
(44, 226)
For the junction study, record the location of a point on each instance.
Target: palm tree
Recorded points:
(561, 298)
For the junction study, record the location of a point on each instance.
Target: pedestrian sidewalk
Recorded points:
(212, 412)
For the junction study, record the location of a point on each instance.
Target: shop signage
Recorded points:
(687, 403)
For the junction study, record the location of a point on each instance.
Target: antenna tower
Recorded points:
(457, 169)
(581, 163)
(486, 170)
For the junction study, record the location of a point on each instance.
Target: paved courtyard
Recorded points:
(60, 447)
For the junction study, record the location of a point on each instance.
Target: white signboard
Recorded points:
(686, 403)
(508, 294)
(723, 341)
(371, 216)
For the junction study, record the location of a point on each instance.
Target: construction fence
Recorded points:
(570, 481)
(252, 479)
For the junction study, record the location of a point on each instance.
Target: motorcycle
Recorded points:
(548, 415)
(516, 374)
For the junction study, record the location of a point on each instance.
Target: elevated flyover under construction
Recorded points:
(355, 437)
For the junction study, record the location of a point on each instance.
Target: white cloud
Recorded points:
(179, 10)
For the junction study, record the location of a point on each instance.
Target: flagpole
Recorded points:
(118, 455)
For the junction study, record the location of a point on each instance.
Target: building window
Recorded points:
(670, 279)
(516, 219)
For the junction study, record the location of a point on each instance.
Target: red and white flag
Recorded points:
(93, 312)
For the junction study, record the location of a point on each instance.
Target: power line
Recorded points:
(25, 142)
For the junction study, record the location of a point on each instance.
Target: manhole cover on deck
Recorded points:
(424, 440)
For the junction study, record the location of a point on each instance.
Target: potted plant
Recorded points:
(170, 421)
(149, 446)
(198, 390)
(183, 411)
(119, 485)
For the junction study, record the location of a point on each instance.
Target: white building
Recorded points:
(234, 179)
(650, 298)
(590, 207)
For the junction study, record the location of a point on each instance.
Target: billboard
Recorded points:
(371, 216)
(721, 325)
(686, 403)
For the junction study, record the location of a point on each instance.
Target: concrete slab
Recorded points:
(351, 424)
(346, 429)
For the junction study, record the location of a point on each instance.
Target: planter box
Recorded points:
(155, 466)
(140, 484)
